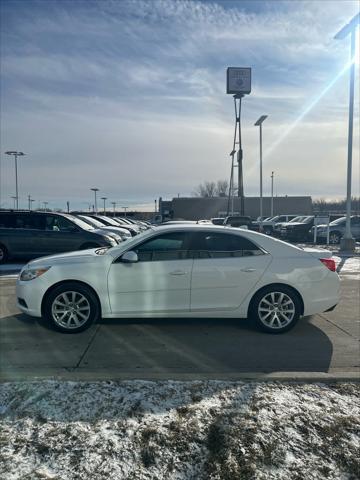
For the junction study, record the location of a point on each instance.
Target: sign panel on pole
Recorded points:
(238, 80)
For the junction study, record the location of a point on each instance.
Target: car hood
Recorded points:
(70, 257)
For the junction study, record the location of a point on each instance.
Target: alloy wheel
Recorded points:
(276, 310)
(70, 310)
(334, 238)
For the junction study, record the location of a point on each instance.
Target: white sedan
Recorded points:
(182, 271)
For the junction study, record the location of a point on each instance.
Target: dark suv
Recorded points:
(34, 234)
(239, 221)
(298, 231)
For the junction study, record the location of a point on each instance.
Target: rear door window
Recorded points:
(222, 245)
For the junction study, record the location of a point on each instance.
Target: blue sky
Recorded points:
(129, 96)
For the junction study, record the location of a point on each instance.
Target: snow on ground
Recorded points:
(348, 266)
(179, 430)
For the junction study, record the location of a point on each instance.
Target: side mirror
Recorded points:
(130, 257)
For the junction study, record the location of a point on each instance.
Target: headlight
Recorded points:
(31, 273)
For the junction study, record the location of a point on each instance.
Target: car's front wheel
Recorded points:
(275, 309)
(71, 307)
(334, 238)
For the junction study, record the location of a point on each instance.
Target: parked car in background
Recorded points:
(217, 221)
(238, 221)
(298, 231)
(278, 226)
(111, 222)
(124, 234)
(126, 223)
(131, 221)
(337, 230)
(33, 234)
(198, 270)
(269, 223)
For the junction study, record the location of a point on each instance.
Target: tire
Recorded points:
(267, 231)
(275, 309)
(3, 254)
(71, 307)
(334, 238)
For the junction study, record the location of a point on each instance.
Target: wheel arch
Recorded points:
(275, 285)
(64, 282)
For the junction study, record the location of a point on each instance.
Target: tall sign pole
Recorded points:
(259, 123)
(238, 84)
(272, 194)
(348, 241)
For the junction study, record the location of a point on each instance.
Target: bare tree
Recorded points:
(212, 189)
(222, 188)
(206, 189)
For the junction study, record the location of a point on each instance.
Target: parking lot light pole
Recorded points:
(114, 206)
(104, 200)
(259, 123)
(45, 205)
(14, 198)
(125, 208)
(30, 200)
(16, 154)
(95, 204)
(347, 243)
(272, 194)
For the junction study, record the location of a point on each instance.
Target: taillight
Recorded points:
(329, 263)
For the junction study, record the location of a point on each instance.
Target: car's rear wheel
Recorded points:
(3, 254)
(275, 309)
(71, 307)
(334, 238)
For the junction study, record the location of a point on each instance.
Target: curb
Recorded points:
(87, 376)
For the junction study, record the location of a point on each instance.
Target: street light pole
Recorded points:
(259, 123)
(16, 154)
(125, 208)
(95, 190)
(14, 198)
(348, 242)
(272, 194)
(104, 199)
(114, 205)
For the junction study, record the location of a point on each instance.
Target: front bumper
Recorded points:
(29, 296)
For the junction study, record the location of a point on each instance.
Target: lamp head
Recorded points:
(260, 120)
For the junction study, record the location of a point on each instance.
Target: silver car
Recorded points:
(337, 230)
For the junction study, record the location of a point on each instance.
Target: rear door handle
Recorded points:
(178, 272)
(249, 270)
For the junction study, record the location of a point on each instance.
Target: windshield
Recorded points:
(109, 220)
(338, 221)
(79, 222)
(92, 221)
(297, 219)
(133, 241)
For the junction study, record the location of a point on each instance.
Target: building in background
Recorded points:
(195, 208)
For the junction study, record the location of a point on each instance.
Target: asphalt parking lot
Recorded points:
(319, 347)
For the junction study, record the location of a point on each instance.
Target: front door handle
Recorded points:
(249, 270)
(178, 272)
